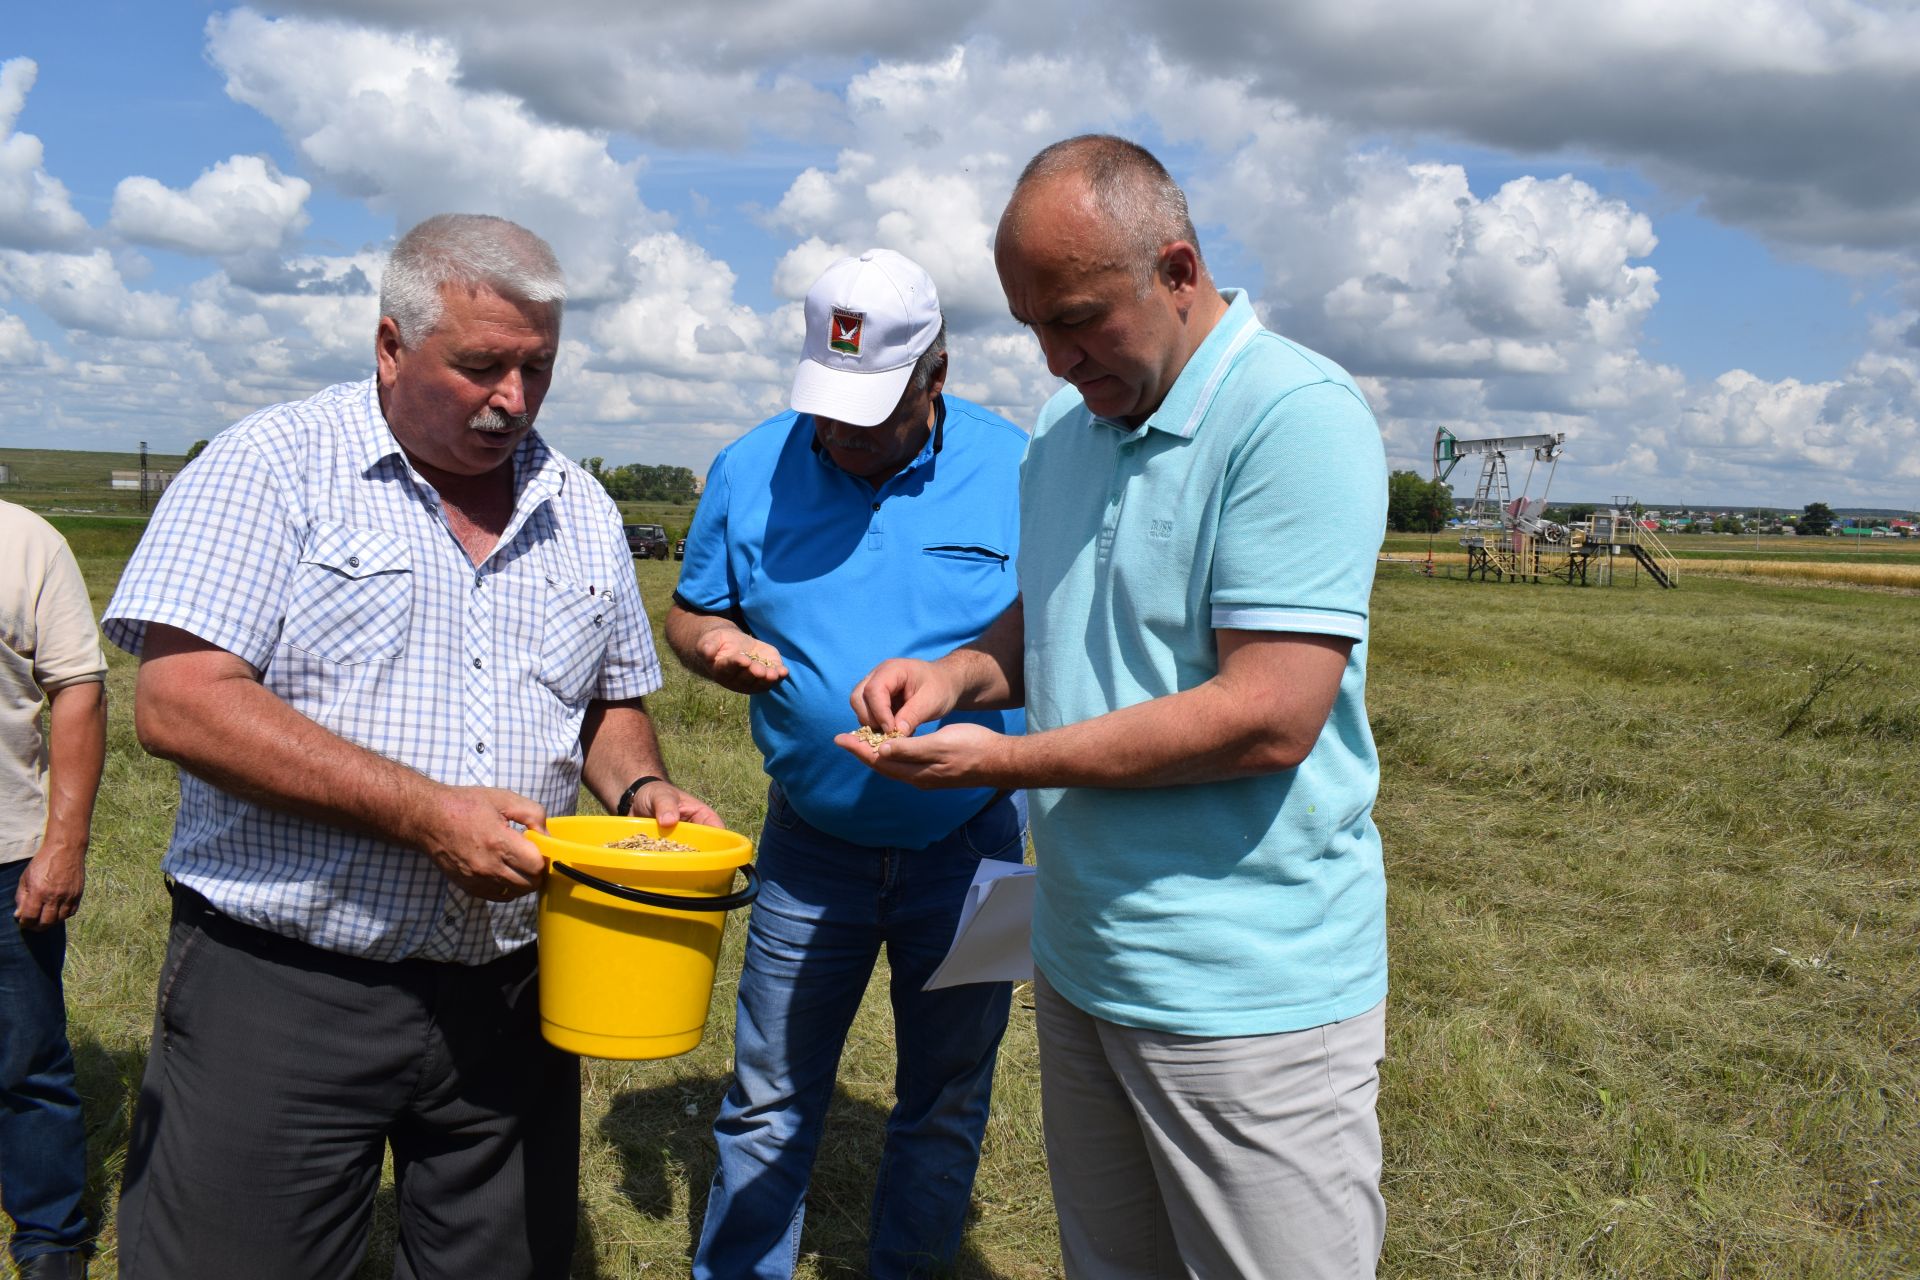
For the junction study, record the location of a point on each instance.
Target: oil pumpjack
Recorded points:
(1524, 545)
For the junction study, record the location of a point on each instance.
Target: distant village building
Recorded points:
(156, 480)
(6, 474)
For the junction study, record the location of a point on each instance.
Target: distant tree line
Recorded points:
(635, 482)
(643, 482)
(1578, 513)
(1417, 506)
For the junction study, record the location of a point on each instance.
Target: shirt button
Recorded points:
(353, 562)
(876, 506)
(596, 619)
(476, 664)
(1129, 449)
(480, 748)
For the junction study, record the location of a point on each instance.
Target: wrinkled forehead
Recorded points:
(1045, 277)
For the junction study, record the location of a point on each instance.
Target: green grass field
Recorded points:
(673, 516)
(67, 480)
(1655, 1010)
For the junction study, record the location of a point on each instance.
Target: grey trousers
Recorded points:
(1190, 1156)
(278, 1075)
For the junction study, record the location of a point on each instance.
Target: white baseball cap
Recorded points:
(869, 319)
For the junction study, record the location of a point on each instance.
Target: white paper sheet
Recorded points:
(994, 940)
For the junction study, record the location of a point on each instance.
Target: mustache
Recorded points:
(491, 419)
(851, 439)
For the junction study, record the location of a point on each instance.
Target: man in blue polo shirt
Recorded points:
(880, 516)
(1202, 506)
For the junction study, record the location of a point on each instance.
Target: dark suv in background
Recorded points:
(647, 541)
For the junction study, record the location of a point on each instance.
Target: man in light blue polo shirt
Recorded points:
(879, 517)
(1202, 506)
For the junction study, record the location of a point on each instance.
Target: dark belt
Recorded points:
(192, 907)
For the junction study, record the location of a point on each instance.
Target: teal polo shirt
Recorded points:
(839, 577)
(1253, 499)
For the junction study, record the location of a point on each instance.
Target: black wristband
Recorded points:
(633, 789)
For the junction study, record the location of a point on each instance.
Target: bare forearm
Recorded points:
(683, 630)
(1192, 736)
(1260, 713)
(718, 647)
(76, 752)
(989, 672)
(205, 709)
(621, 745)
(236, 735)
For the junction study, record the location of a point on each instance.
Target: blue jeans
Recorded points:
(825, 909)
(43, 1145)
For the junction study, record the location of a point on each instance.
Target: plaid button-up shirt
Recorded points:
(303, 542)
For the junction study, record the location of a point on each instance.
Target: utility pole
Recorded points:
(143, 475)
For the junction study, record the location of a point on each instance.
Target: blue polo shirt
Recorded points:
(840, 576)
(1253, 499)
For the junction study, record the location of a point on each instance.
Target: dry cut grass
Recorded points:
(1654, 1008)
(1901, 576)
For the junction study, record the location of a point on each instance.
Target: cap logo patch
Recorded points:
(844, 333)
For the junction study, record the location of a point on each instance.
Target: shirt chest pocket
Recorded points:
(573, 639)
(966, 554)
(352, 596)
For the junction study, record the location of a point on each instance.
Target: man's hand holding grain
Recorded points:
(740, 662)
(955, 755)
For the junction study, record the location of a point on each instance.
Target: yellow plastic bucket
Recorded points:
(623, 974)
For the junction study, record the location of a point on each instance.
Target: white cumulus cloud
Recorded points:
(18, 346)
(1322, 144)
(386, 118)
(86, 292)
(35, 210)
(679, 318)
(242, 205)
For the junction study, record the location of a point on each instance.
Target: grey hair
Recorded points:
(930, 359)
(471, 250)
(1130, 187)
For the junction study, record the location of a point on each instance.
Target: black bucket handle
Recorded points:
(672, 902)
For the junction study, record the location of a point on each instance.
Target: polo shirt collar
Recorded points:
(1192, 393)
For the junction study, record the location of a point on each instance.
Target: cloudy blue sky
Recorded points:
(1686, 235)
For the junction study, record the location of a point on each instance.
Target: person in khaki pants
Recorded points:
(49, 655)
(1200, 511)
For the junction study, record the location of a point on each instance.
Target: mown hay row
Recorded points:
(1864, 575)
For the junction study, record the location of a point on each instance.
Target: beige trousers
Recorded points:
(1214, 1158)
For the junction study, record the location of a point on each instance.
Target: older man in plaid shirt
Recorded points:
(380, 630)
